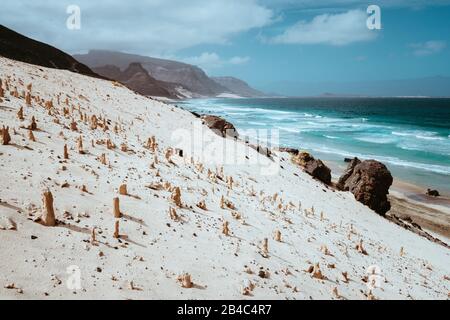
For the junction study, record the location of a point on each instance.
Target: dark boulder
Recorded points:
(302, 158)
(195, 114)
(369, 181)
(289, 150)
(220, 126)
(319, 170)
(433, 193)
(347, 173)
(313, 167)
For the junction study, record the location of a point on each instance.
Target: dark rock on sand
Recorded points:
(319, 171)
(313, 167)
(289, 150)
(369, 181)
(220, 126)
(433, 193)
(347, 173)
(303, 158)
(195, 114)
(415, 228)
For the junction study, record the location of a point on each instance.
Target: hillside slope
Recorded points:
(18, 47)
(317, 225)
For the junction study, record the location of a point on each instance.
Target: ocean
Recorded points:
(410, 135)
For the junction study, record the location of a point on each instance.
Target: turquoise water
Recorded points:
(410, 135)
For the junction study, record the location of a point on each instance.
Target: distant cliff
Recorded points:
(180, 79)
(238, 87)
(137, 78)
(192, 79)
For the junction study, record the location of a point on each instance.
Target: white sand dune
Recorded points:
(154, 249)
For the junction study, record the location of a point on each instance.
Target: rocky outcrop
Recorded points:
(408, 224)
(369, 181)
(433, 193)
(319, 171)
(189, 77)
(348, 172)
(136, 78)
(220, 126)
(288, 150)
(313, 167)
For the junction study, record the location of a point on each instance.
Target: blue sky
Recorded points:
(269, 43)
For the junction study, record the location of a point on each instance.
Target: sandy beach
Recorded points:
(197, 216)
(410, 201)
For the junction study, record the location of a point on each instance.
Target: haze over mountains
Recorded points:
(180, 79)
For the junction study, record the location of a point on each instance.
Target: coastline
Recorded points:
(219, 225)
(435, 219)
(409, 202)
(404, 190)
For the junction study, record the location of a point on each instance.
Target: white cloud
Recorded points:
(206, 60)
(211, 60)
(428, 48)
(239, 60)
(334, 29)
(158, 27)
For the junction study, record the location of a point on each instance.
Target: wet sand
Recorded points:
(427, 217)
(431, 213)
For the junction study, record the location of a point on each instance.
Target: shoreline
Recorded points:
(137, 220)
(410, 203)
(402, 189)
(409, 175)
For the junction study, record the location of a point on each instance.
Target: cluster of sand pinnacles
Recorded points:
(98, 158)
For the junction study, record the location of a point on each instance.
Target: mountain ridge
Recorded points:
(238, 86)
(193, 82)
(191, 77)
(136, 77)
(16, 46)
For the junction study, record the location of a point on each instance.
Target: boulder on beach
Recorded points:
(369, 181)
(288, 150)
(433, 193)
(220, 126)
(313, 167)
(348, 172)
